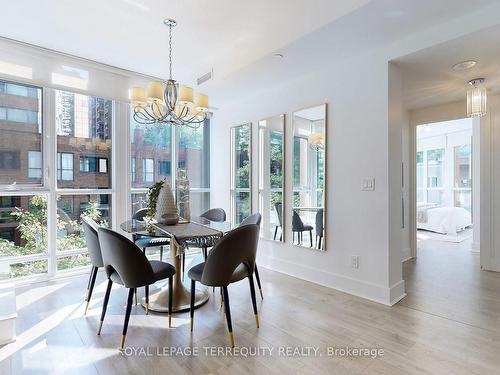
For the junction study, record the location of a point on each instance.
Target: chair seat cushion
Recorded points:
(144, 242)
(239, 273)
(304, 228)
(161, 270)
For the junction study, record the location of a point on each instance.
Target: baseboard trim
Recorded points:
(405, 254)
(359, 288)
(475, 248)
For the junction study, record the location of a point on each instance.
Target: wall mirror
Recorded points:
(241, 172)
(309, 175)
(271, 167)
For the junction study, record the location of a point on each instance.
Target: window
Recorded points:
(193, 158)
(153, 144)
(463, 177)
(9, 160)
(23, 232)
(240, 173)
(133, 175)
(148, 170)
(93, 164)
(164, 168)
(35, 164)
(64, 166)
(20, 134)
(84, 129)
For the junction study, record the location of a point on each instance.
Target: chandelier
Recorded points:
(317, 141)
(476, 98)
(166, 102)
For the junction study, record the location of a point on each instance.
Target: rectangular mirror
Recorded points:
(309, 175)
(271, 167)
(241, 172)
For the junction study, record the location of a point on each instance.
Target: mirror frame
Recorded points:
(323, 248)
(282, 117)
(232, 189)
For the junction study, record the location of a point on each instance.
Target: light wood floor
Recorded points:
(448, 324)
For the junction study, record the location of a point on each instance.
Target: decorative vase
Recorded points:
(166, 210)
(182, 190)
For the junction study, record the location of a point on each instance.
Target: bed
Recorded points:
(443, 220)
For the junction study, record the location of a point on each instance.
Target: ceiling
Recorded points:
(225, 35)
(428, 78)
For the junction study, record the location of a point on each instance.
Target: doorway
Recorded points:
(444, 186)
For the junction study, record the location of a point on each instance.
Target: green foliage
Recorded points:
(32, 227)
(153, 193)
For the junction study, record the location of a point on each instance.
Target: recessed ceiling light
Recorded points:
(280, 55)
(464, 65)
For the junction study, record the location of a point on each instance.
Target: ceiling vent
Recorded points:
(205, 77)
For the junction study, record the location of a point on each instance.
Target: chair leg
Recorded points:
(183, 264)
(161, 253)
(146, 296)
(228, 315)
(135, 296)
(191, 307)
(205, 253)
(254, 300)
(93, 276)
(320, 240)
(221, 299)
(170, 299)
(275, 232)
(258, 281)
(105, 305)
(311, 237)
(88, 284)
(127, 317)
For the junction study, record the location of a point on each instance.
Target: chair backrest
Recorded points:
(122, 256)
(140, 214)
(215, 214)
(238, 246)
(90, 228)
(297, 223)
(278, 206)
(252, 219)
(319, 223)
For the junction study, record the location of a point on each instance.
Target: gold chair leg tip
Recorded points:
(147, 308)
(231, 339)
(261, 295)
(122, 342)
(86, 308)
(169, 320)
(99, 328)
(257, 320)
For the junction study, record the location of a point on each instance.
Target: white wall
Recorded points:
(364, 140)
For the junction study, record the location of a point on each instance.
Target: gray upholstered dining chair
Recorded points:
(90, 228)
(145, 241)
(299, 227)
(278, 206)
(254, 219)
(319, 228)
(213, 214)
(232, 259)
(127, 265)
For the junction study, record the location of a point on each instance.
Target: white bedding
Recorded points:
(444, 220)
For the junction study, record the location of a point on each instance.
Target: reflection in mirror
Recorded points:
(271, 139)
(241, 171)
(309, 169)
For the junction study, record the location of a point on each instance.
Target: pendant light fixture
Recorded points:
(166, 102)
(476, 98)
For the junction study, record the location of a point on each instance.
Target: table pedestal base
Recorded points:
(181, 299)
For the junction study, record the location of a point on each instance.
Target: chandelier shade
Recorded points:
(167, 102)
(317, 141)
(476, 99)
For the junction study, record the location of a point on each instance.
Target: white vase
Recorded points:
(166, 210)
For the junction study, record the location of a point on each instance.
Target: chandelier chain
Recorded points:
(170, 49)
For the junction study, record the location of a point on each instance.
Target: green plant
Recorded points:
(153, 193)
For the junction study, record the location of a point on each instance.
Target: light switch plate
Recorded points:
(368, 184)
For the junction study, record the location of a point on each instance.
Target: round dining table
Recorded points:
(197, 232)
